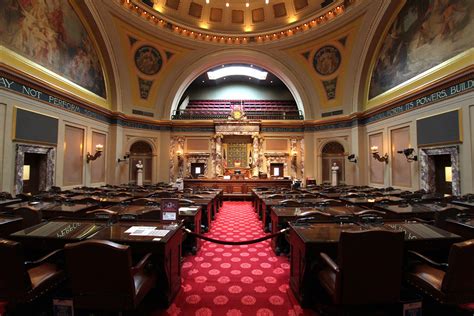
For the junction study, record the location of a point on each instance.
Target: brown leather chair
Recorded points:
(451, 283)
(22, 282)
(368, 269)
(143, 201)
(30, 216)
(103, 278)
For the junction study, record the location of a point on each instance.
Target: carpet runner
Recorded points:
(235, 280)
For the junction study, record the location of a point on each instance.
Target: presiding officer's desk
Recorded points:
(166, 249)
(242, 186)
(308, 240)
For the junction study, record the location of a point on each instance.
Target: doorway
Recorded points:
(439, 170)
(443, 174)
(33, 165)
(333, 153)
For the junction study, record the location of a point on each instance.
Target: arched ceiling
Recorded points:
(292, 54)
(236, 16)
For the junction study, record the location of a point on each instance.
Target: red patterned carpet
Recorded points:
(235, 280)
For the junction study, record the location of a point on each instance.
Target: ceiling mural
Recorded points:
(51, 34)
(424, 35)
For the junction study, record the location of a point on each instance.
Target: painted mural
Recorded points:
(424, 34)
(49, 33)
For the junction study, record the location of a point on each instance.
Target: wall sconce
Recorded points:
(409, 154)
(376, 155)
(125, 158)
(352, 158)
(98, 152)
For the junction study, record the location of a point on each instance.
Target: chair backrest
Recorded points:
(100, 274)
(14, 279)
(30, 216)
(371, 267)
(458, 282)
(142, 201)
(151, 214)
(442, 215)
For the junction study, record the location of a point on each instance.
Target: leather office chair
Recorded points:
(368, 269)
(451, 283)
(23, 282)
(103, 278)
(30, 216)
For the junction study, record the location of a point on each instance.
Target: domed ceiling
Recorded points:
(243, 17)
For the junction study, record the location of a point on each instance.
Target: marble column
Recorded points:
(255, 154)
(219, 169)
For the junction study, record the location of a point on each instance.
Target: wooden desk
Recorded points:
(166, 250)
(280, 216)
(420, 210)
(36, 205)
(370, 201)
(191, 217)
(243, 186)
(464, 228)
(67, 210)
(9, 225)
(6, 202)
(308, 240)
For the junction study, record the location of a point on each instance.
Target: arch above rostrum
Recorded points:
(288, 76)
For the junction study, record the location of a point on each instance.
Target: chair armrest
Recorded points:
(439, 265)
(102, 210)
(364, 212)
(329, 262)
(35, 263)
(142, 264)
(421, 220)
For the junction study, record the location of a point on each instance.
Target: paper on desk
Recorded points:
(184, 209)
(150, 232)
(133, 229)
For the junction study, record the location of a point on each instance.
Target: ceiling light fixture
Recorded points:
(247, 4)
(227, 4)
(237, 71)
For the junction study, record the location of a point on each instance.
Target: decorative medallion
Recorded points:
(148, 60)
(327, 60)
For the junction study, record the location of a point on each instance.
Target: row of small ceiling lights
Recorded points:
(329, 15)
(247, 4)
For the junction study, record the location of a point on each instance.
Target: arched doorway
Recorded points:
(333, 152)
(141, 151)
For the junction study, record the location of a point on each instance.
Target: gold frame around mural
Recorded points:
(417, 83)
(15, 139)
(49, 78)
(461, 129)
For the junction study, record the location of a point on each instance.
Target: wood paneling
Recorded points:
(401, 168)
(73, 155)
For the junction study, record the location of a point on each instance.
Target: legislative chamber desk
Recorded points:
(166, 249)
(233, 186)
(308, 240)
